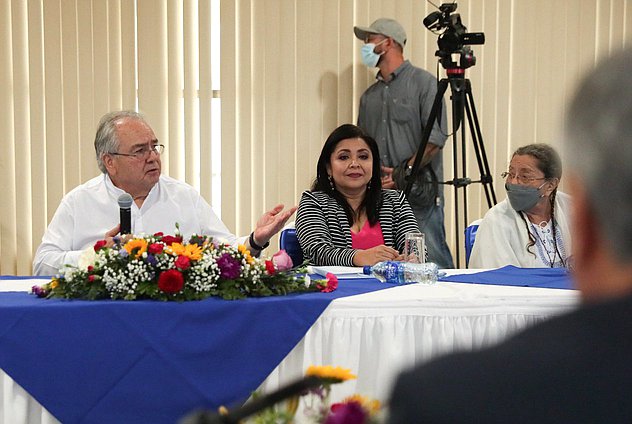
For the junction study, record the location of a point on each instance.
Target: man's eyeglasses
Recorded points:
(143, 153)
(522, 179)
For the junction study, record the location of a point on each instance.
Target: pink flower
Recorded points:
(328, 285)
(282, 260)
(171, 281)
(99, 245)
(183, 262)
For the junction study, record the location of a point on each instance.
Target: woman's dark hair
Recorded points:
(548, 161)
(373, 198)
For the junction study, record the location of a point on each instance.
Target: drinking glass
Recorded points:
(415, 248)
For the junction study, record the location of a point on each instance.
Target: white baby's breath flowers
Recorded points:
(205, 273)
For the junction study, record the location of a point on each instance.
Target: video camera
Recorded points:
(454, 39)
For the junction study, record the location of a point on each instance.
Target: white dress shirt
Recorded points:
(91, 209)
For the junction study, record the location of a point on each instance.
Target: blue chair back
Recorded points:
(289, 242)
(470, 237)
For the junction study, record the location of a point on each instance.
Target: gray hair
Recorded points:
(599, 133)
(106, 140)
(548, 160)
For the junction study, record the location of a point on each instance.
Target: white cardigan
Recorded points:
(502, 236)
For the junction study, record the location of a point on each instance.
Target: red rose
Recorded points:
(158, 234)
(90, 268)
(183, 262)
(99, 245)
(168, 240)
(171, 281)
(155, 248)
(270, 267)
(91, 278)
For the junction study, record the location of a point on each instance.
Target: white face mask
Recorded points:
(369, 57)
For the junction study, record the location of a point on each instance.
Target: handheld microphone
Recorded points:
(125, 204)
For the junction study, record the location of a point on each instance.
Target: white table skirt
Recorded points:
(376, 335)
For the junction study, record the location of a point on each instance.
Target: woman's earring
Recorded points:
(368, 186)
(331, 182)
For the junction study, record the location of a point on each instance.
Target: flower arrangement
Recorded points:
(355, 409)
(166, 267)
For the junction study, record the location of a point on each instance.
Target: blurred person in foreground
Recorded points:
(128, 155)
(529, 229)
(347, 219)
(394, 111)
(575, 368)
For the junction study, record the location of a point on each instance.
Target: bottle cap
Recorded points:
(366, 269)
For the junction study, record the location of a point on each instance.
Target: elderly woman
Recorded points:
(347, 219)
(530, 228)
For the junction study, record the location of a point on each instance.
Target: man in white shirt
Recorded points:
(128, 154)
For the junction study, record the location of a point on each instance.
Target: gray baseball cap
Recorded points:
(384, 26)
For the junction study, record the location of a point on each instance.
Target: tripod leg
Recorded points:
(425, 136)
(479, 147)
(458, 105)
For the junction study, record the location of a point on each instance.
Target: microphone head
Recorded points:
(125, 201)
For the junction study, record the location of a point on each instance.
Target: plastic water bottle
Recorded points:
(395, 272)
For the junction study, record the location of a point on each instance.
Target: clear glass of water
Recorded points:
(415, 248)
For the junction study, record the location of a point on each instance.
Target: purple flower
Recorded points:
(123, 253)
(151, 260)
(346, 413)
(39, 291)
(229, 267)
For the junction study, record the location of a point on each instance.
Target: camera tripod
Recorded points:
(462, 105)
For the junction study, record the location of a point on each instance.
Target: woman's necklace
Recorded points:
(546, 244)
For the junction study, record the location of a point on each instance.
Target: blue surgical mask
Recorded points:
(369, 57)
(523, 198)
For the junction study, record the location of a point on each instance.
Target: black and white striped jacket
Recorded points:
(325, 235)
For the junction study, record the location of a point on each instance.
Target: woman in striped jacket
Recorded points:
(347, 219)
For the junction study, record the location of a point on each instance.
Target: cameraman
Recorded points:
(394, 111)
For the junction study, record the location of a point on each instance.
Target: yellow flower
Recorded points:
(244, 251)
(327, 371)
(372, 406)
(139, 244)
(54, 283)
(191, 251)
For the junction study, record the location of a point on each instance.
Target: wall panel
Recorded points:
(290, 73)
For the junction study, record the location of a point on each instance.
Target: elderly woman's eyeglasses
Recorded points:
(522, 179)
(144, 152)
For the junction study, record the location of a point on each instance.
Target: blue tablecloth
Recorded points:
(552, 278)
(21, 277)
(147, 361)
